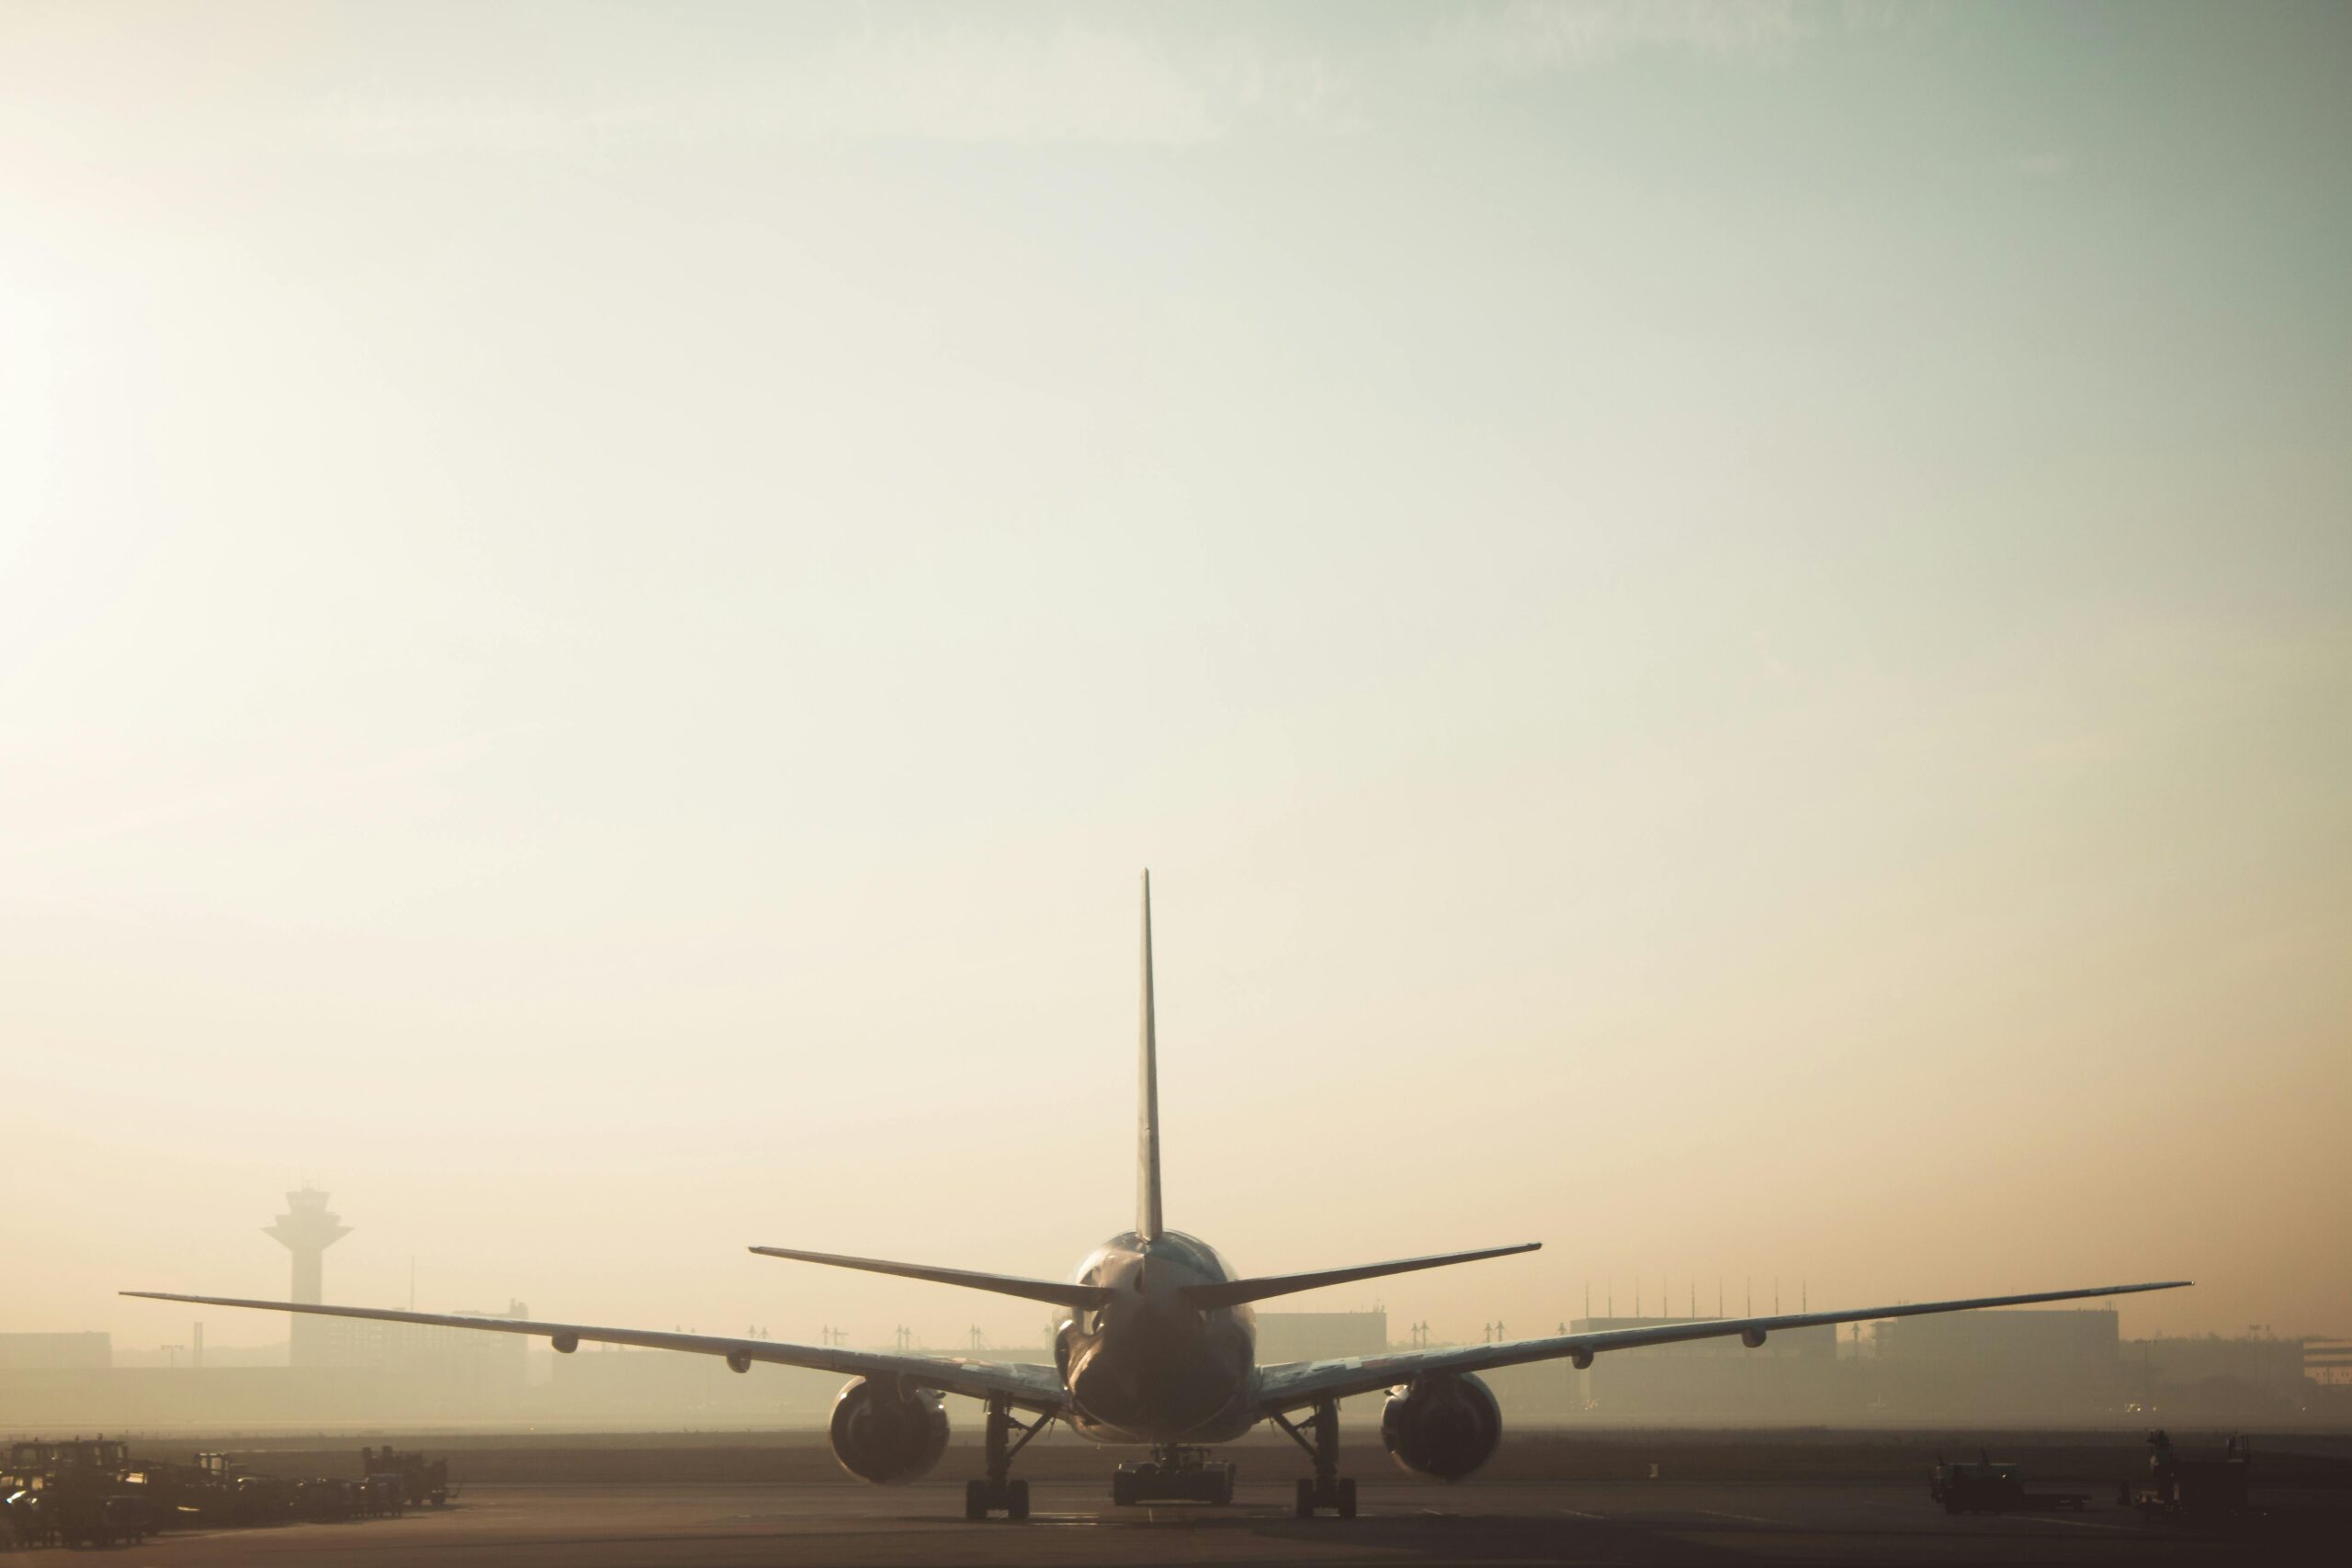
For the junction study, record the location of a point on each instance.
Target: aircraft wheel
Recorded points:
(1347, 1497)
(1122, 1489)
(1306, 1498)
(975, 1500)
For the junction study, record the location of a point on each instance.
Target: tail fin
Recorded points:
(1147, 1223)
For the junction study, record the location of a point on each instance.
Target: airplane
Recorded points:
(1159, 1348)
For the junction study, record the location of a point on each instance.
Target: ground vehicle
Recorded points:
(94, 1518)
(2199, 1489)
(421, 1484)
(1184, 1473)
(1977, 1487)
(74, 1492)
(180, 1494)
(24, 1519)
(383, 1492)
(323, 1499)
(89, 1493)
(1987, 1486)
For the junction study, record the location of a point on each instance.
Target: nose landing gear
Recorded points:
(1173, 1474)
(1327, 1488)
(997, 1491)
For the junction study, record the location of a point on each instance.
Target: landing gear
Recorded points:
(997, 1491)
(1173, 1474)
(1327, 1488)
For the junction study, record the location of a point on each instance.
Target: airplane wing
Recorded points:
(1296, 1384)
(1025, 1385)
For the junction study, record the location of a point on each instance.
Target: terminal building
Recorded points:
(1320, 1335)
(2036, 1363)
(2210, 1377)
(55, 1352)
(1795, 1375)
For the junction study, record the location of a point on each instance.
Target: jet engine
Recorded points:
(885, 1436)
(1445, 1426)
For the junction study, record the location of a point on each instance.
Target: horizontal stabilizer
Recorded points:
(1090, 1297)
(1233, 1293)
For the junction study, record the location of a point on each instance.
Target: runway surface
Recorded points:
(597, 1526)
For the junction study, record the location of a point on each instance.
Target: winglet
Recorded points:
(1147, 1222)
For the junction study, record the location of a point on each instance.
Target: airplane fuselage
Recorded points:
(1149, 1367)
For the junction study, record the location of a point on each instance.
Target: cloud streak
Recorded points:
(963, 85)
(1072, 84)
(1529, 36)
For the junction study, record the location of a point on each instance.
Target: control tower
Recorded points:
(307, 1230)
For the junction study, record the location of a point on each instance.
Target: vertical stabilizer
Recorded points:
(1147, 1109)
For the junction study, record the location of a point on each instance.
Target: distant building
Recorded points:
(1795, 1374)
(55, 1352)
(605, 1387)
(2207, 1375)
(2328, 1362)
(1320, 1335)
(2040, 1363)
(471, 1372)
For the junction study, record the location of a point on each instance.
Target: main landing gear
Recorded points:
(1173, 1474)
(997, 1491)
(1327, 1488)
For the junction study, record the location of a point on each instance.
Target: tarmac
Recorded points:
(591, 1525)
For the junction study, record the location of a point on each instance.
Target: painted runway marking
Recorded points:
(1577, 1513)
(1743, 1519)
(2030, 1518)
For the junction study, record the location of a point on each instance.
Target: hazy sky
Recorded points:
(1727, 628)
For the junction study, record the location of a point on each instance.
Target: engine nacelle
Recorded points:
(882, 1436)
(1445, 1426)
(1752, 1337)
